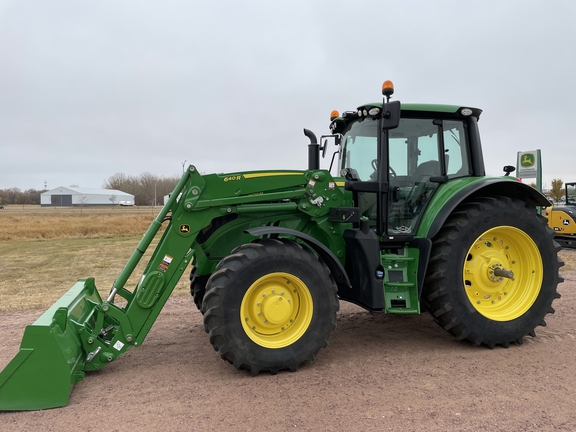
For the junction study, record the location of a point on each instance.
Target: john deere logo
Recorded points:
(184, 229)
(528, 160)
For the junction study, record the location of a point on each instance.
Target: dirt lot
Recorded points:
(378, 373)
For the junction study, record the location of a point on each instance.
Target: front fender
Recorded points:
(333, 263)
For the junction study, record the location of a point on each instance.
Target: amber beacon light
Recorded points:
(388, 88)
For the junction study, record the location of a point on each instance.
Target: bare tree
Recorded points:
(16, 196)
(82, 201)
(23, 199)
(145, 187)
(120, 181)
(113, 200)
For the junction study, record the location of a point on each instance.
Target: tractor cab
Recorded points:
(420, 147)
(570, 193)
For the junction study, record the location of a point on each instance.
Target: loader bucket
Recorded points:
(51, 358)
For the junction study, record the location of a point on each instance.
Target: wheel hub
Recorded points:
(276, 310)
(497, 273)
(503, 273)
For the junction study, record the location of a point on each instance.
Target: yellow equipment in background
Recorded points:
(562, 219)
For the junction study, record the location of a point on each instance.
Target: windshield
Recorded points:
(360, 149)
(413, 143)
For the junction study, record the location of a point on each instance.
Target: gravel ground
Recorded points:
(379, 373)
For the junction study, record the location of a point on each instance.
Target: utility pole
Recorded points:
(155, 191)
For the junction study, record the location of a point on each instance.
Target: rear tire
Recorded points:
(270, 305)
(468, 289)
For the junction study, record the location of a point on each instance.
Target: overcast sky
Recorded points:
(93, 88)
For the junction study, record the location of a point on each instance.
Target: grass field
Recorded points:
(44, 251)
(21, 223)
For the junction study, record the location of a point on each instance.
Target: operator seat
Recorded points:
(426, 169)
(421, 178)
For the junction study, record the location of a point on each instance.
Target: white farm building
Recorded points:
(77, 196)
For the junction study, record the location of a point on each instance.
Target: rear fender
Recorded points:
(446, 200)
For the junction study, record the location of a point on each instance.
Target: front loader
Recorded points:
(409, 224)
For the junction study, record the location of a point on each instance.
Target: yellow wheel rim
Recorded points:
(276, 310)
(503, 273)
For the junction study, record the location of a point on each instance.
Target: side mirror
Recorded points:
(390, 115)
(508, 169)
(324, 146)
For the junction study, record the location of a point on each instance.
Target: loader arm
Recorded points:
(85, 331)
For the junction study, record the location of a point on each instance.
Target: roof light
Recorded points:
(334, 114)
(466, 111)
(388, 88)
(374, 111)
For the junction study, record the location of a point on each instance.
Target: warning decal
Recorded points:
(165, 263)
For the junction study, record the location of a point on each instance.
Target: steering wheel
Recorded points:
(375, 167)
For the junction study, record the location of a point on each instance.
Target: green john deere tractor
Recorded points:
(410, 224)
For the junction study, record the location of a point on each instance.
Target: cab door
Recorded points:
(423, 153)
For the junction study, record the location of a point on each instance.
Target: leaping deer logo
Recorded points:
(527, 160)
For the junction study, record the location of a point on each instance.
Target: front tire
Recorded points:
(270, 305)
(493, 272)
(198, 287)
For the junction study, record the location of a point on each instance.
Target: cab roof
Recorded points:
(414, 110)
